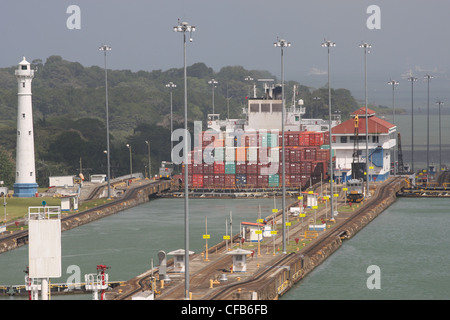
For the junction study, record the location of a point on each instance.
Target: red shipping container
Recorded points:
(287, 154)
(263, 181)
(219, 167)
(252, 180)
(197, 168)
(310, 154)
(197, 181)
(293, 140)
(252, 168)
(208, 169)
(280, 140)
(241, 168)
(208, 181)
(230, 181)
(294, 168)
(219, 181)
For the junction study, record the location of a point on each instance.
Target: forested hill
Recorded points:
(70, 114)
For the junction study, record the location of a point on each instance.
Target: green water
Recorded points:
(409, 242)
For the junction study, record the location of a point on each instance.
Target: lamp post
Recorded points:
(282, 44)
(171, 86)
(185, 27)
(105, 48)
(394, 84)
(131, 162)
(440, 150)
(366, 48)
(412, 79)
(149, 161)
(248, 78)
(213, 83)
(428, 78)
(328, 44)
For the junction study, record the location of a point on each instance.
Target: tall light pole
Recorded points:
(328, 44)
(213, 83)
(412, 79)
(248, 78)
(366, 48)
(440, 150)
(171, 86)
(147, 142)
(105, 48)
(131, 162)
(428, 78)
(394, 84)
(185, 27)
(282, 44)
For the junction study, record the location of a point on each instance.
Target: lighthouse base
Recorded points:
(25, 190)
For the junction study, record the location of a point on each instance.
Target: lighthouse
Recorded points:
(25, 185)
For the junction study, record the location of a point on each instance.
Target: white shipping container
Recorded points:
(219, 154)
(252, 155)
(230, 154)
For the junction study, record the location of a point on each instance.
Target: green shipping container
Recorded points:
(274, 180)
(230, 168)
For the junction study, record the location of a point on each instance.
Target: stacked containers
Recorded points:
(254, 160)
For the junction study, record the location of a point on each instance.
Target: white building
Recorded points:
(25, 185)
(381, 143)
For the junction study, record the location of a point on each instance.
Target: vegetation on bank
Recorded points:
(70, 113)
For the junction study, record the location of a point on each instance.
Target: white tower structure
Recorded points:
(25, 185)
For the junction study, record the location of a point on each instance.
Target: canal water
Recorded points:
(408, 243)
(129, 240)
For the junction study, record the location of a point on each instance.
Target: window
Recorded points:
(24, 68)
(23, 115)
(31, 173)
(343, 139)
(23, 84)
(18, 133)
(29, 133)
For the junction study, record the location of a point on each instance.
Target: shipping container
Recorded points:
(208, 169)
(252, 168)
(219, 168)
(197, 168)
(230, 154)
(252, 154)
(230, 181)
(197, 181)
(241, 154)
(263, 181)
(230, 168)
(241, 180)
(208, 181)
(219, 181)
(219, 154)
(274, 180)
(252, 180)
(241, 168)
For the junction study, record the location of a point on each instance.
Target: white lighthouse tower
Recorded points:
(25, 185)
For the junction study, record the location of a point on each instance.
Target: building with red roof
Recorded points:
(381, 143)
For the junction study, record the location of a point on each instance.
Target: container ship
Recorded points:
(246, 154)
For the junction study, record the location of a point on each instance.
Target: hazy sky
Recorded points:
(413, 37)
